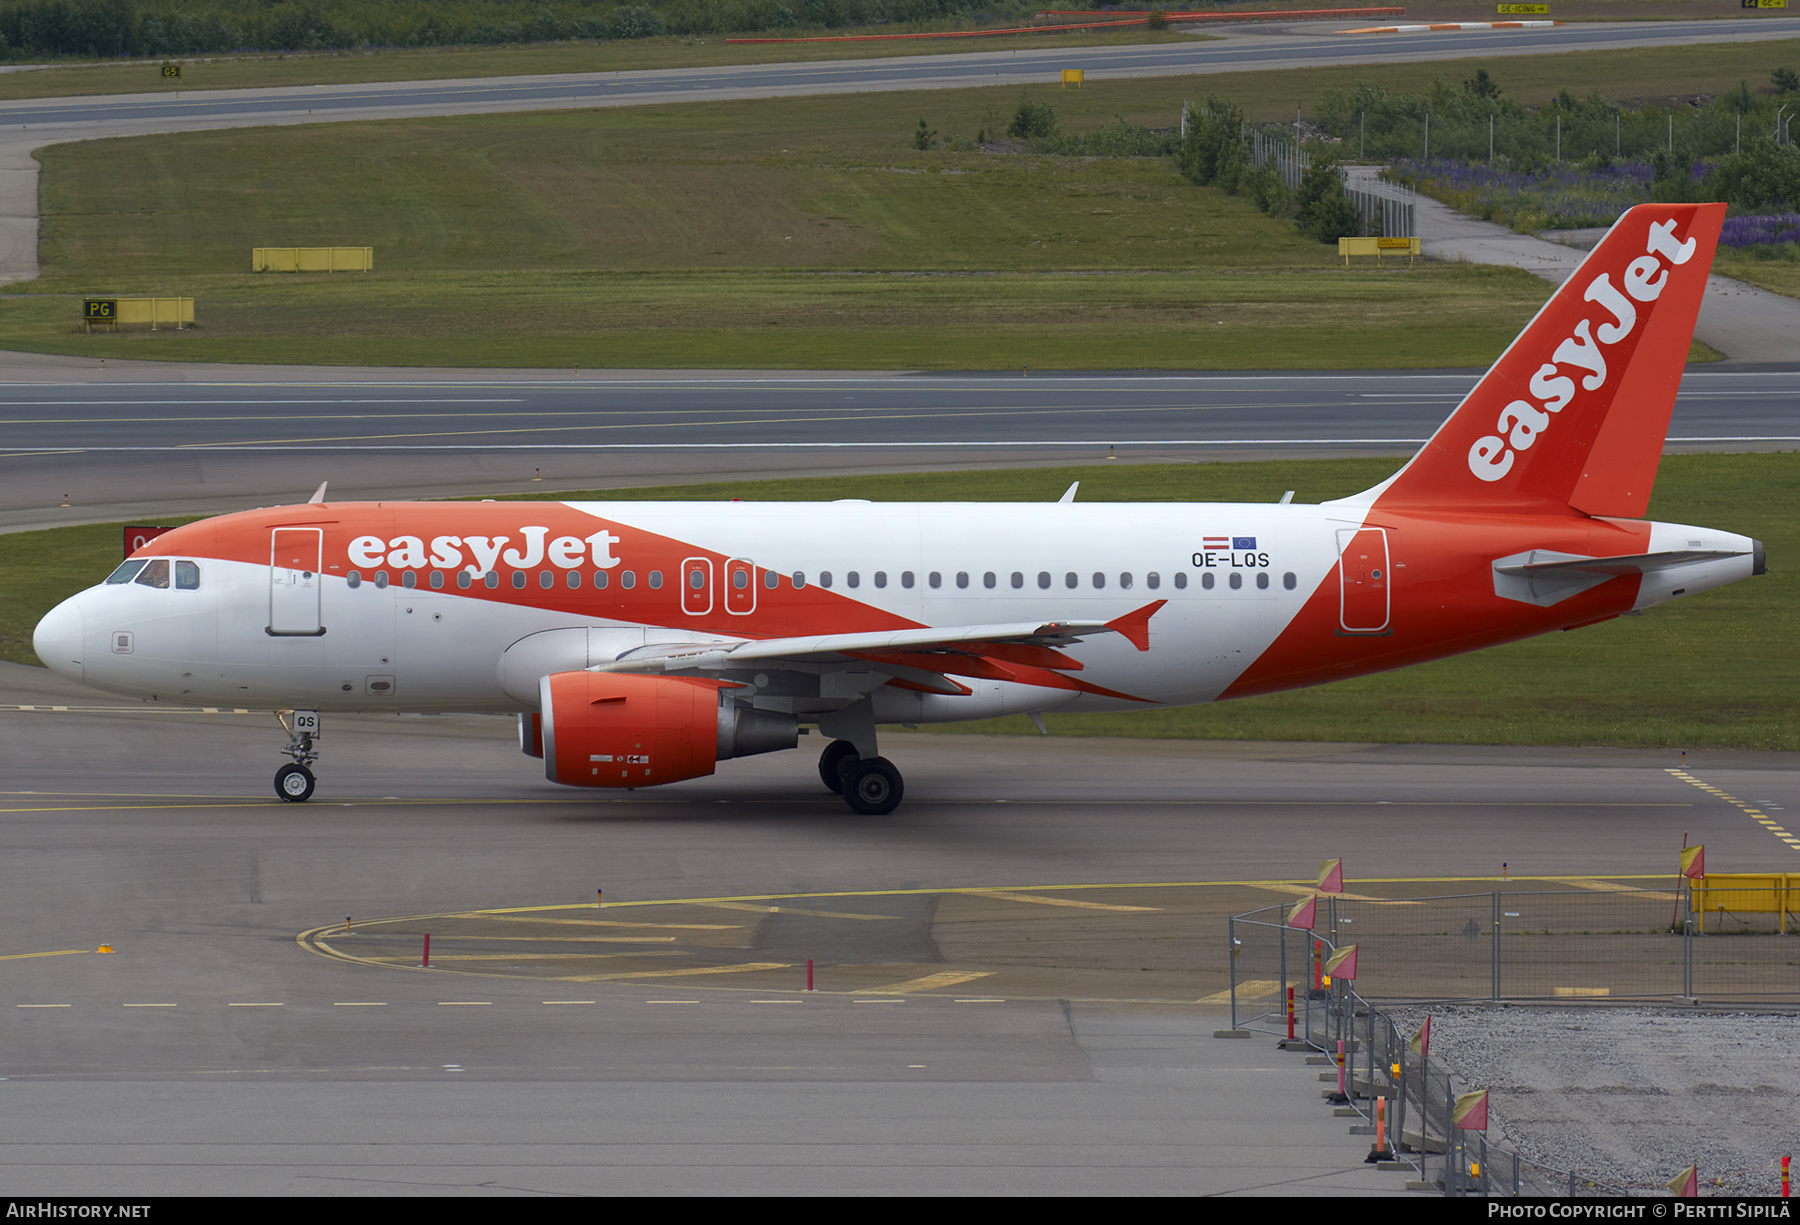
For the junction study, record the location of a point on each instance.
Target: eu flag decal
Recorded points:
(1243, 542)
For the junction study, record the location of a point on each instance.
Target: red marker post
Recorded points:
(425, 957)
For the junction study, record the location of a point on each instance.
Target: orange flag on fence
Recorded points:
(1331, 876)
(1303, 915)
(1470, 1111)
(1693, 862)
(1421, 1041)
(1342, 964)
(1687, 1183)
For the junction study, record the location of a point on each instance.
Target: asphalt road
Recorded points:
(1058, 1049)
(1302, 44)
(124, 450)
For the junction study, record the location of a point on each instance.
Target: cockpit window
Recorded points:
(187, 576)
(156, 573)
(126, 572)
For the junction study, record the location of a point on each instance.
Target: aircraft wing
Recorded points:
(924, 657)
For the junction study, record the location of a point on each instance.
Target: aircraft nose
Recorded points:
(57, 639)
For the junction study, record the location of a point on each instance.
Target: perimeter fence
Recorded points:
(1506, 944)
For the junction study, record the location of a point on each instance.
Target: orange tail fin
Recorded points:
(1576, 410)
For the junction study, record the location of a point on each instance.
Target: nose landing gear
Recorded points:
(294, 783)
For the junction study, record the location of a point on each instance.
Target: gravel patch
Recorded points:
(1631, 1096)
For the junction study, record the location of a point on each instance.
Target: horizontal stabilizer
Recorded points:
(1545, 577)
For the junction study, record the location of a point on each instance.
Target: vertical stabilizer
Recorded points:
(1576, 410)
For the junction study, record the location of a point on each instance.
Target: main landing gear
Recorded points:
(870, 785)
(294, 783)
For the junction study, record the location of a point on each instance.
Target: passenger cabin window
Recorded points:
(155, 574)
(799, 579)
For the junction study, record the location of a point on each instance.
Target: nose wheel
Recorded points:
(294, 783)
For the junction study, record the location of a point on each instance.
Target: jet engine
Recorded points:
(602, 729)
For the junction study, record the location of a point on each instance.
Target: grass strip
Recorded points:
(1719, 669)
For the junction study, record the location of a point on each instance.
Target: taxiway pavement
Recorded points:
(213, 1052)
(133, 446)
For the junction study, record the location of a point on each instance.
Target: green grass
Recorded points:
(1776, 269)
(745, 234)
(1444, 316)
(739, 234)
(1721, 669)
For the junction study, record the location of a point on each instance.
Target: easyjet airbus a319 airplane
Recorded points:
(642, 643)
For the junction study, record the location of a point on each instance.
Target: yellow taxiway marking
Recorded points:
(1309, 890)
(56, 953)
(541, 939)
(41, 1005)
(1249, 989)
(1057, 901)
(625, 974)
(811, 914)
(413, 958)
(1749, 810)
(691, 927)
(1606, 886)
(948, 978)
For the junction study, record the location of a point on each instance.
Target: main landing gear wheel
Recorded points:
(294, 784)
(872, 786)
(832, 761)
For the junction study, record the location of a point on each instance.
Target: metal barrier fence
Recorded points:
(1388, 214)
(1507, 944)
(1566, 944)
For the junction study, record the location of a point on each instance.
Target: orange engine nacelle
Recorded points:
(619, 730)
